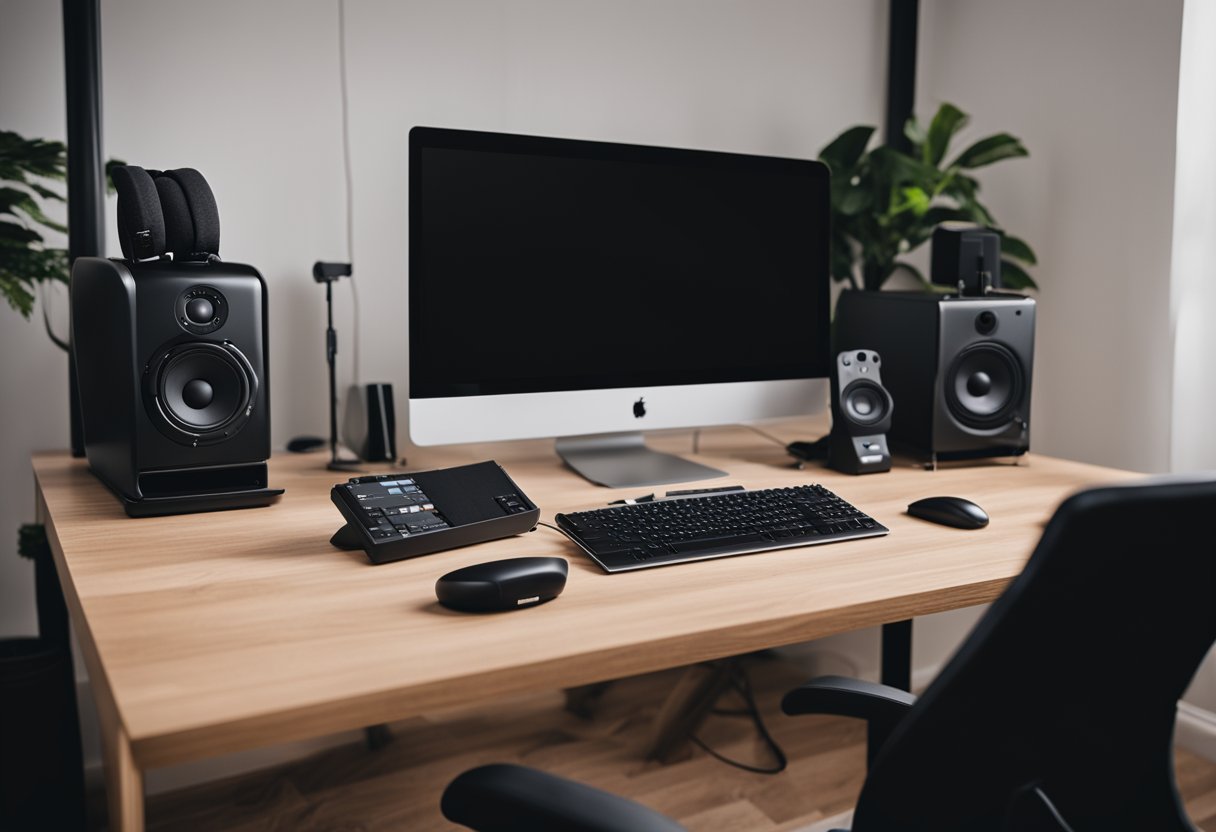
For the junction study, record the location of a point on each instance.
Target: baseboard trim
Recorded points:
(1196, 730)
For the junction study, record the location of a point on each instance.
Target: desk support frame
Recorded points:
(124, 776)
(897, 654)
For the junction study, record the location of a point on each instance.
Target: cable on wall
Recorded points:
(349, 185)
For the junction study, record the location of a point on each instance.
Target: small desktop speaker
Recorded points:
(861, 414)
(958, 368)
(171, 357)
(370, 428)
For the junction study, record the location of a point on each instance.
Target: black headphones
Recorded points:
(172, 211)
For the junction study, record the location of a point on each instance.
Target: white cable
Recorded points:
(350, 197)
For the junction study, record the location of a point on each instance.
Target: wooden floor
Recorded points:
(397, 787)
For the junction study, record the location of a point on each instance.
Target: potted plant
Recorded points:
(886, 201)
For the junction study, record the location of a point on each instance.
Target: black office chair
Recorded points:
(1035, 724)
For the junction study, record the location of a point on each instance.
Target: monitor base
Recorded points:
(622, 460)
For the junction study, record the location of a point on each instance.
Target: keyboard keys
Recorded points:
(676, 530)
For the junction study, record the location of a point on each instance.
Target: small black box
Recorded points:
(966, 257)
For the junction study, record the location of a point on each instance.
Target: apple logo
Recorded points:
(639, 408)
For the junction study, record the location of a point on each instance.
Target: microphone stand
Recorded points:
(328, 273)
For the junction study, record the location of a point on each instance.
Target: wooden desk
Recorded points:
(211, 633)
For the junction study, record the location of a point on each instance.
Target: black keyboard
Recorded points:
(680, 529)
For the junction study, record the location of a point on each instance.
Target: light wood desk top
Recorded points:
(212, 633)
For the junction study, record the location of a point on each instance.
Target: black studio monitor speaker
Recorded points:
(171, 357)
(862, 409)
(958, 368)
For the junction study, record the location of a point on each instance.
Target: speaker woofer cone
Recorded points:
(985, 385)
(200, 392)
(865, 402)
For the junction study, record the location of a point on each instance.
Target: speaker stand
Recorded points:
(195, 503)
(336, 463)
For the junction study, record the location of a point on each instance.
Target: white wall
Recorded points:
(1090, 86)
(1193, 292)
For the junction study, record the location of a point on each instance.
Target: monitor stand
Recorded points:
(622, 460)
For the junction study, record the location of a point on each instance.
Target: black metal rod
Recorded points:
(331, 356)
(901, 70)
(86, 172)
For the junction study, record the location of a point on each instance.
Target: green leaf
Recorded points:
(10, 233)
(989, 150)
(948, 121)
(912, 199)
(1013, 247)
(891, 169)
(851, 201)
(44, 192)
(1014, 276)
(13, 200)
(16, 294)
(844, 152)
(915, 134)
(841, 259)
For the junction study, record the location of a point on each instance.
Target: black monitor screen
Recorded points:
(549, 264)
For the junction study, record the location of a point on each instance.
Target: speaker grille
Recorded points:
(984, 385)
(200, 392)
(865, 403)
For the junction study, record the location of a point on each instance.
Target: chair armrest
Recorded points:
(881, 706)
(510, 798)
(843, 696)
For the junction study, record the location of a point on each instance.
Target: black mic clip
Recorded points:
(329, 272)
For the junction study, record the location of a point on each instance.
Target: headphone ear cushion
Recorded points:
(204, 214)
(179, 227)
(141, 225)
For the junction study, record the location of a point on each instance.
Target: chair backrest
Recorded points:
(1070, 682)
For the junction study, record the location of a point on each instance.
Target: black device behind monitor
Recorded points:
(397, 516)
(861, 414)
(958, 368)
(501, 585)
(371, 422)
(966, 258)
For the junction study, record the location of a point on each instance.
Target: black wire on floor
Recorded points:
(742, 684)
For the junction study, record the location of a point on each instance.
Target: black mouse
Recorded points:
(950, 511)
(304, 444)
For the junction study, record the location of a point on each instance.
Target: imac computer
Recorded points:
(588, 291)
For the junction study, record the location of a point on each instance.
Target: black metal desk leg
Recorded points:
(896, 671)
(897, 654)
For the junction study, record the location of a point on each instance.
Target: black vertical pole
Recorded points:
(901, 94)
(901, 70)
(86, 174)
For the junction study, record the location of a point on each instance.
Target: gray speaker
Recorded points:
(861, 414)
(958, 368)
